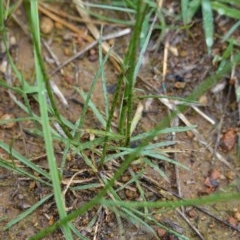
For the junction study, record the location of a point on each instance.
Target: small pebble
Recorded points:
(67, 51)
(3, 66)
(125, 178)
(111, 42)
(93, 56)
(13, 41)
(161, 232)
(179, 85)
(183, 53)
(230, 175)
(228, 140)
(203, 100)
(9, 124)
(46, 25)
(237, 216)
(130, 194)
(58, 25)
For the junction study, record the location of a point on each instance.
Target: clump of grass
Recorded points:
(223, 8)
(108, 144)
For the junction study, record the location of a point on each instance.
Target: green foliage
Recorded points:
(145, 17)
(222, 7)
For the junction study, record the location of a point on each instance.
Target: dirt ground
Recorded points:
(188, 65)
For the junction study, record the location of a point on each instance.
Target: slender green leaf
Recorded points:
(208, 23)
(27, 212)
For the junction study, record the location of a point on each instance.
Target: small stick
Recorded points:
(66, 24)
(54, 86)
(114, 58)
(190, 224)
(137, 117)
(52, 54)
(209, 119)
(166, 102)
(76, 19)
(89, 46)
(99, 224)
(156, 184)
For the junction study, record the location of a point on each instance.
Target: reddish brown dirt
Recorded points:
(193, 65)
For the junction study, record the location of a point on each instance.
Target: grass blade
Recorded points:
(208, 23)
(184, 11)
(39, 67)
(27, 212)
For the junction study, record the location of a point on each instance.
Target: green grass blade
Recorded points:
(184, 11)
(19, 170)
(27, 212)
(226, 10)
(110, 7)
(208, 23)
(231, 31)
(212, 199)
(93, 107)
(131, 216)
(193, 7)
(156, 168)
(39, 67)
(133, 179)
(165, 130)
(16, 155)
(130, 74)
(87, 102)
(159, 156)
(145, 38)
(103, 78)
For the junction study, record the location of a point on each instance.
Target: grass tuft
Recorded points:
(112, 143)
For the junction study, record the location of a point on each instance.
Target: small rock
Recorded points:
(67, 51)
(192, 213)
(131, 194)
(236, 216)
(232, 221)
(13, 41)
(3, 66)
(46, 25)
(230, 175)
(125, 178)
(228, 140)
(58, 25)
(51, 220)
(9, 124)
(179, 85)
(111, 42)
(93, 56)
(183, 53)
(203, 100)
(215, 174)
(161, 232)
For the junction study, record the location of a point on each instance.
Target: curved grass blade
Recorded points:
(158, 156)
(223, 9)
(156, 168)
(27, 212)
(184, 11)
(87, 99)
(208, 23)
(214, 198)
(231, 31)
(93, 107)
(16, 155)
(193, 7)
(156, 132)
(43, 88)
(12, 167)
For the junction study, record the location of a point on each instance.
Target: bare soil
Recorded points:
(185, 71)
